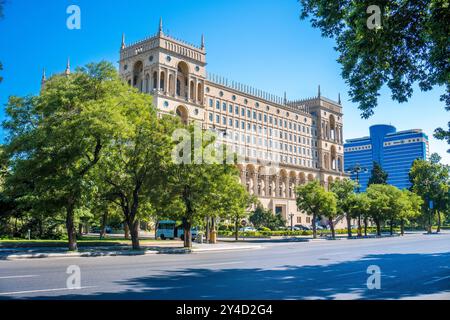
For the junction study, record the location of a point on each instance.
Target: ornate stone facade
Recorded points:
(304, 138)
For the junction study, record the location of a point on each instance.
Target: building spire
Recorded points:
(160, 26)
(123, 41)
(43, 79)
(319, 94)
(203, 41)
(339, 99)
(67, 72)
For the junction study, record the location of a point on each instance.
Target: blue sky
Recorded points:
(262, 43)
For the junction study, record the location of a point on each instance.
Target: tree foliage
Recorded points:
(378, 175)
(344, 189)
(410, 46)
(314, 200)
(55, 140)
(263, 218)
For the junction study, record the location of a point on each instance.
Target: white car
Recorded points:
(247, 229)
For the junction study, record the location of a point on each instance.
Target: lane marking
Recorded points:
(350, 273)
(43, 290)
(16, 277)
(437, 280)
(218, 264)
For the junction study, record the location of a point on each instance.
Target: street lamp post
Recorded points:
(358, 169)
(291, 216)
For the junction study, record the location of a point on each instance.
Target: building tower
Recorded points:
(171, 70)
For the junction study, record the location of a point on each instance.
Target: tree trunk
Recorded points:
(349, 225)
(430, 222)
(207, 230)
(378, 228)
(187, 226)
(366, 224)
(314, 227)
(213, 238)
(103, 227)
(126, 230)
(391, 227)
(236, 229)
(134, 228)
(402, 227)
(70, 226)
(80, 228)
(333, 233)
(439, 222)
(359, 226)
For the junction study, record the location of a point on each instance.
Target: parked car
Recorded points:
(108, 230)
(300, 227)
(247, 229)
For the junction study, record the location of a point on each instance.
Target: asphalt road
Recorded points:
(416, 266)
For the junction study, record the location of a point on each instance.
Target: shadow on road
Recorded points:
(403, 276)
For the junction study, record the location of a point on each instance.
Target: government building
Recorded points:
(394, 151)
(282, 143)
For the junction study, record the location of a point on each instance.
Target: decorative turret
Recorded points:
(43, 79)
(203, 43)
(160, 32)
(123, 41)
(67, 72)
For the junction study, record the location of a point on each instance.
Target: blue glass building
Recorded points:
(394, 151)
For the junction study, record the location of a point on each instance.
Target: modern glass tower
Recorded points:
(394, 151)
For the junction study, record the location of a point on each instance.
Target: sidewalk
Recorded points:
(105, 251)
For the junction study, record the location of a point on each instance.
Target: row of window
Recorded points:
(358, 148)
(269, 156)
(242, 125)
(257, 116)
(402, 142)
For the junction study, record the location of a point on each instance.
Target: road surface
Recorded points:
(416, 266)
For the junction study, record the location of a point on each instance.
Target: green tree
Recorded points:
(343, 189)
(358, 208)
(430, 181)
(410, 46)
(56, 139)
(263, 218)
(378, 175)
(379, 200)
(195, 176)
(313, 199)
(135, 162)
(442, 134)
(410, 206)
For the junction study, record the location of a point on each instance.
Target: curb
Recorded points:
(120, 253)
